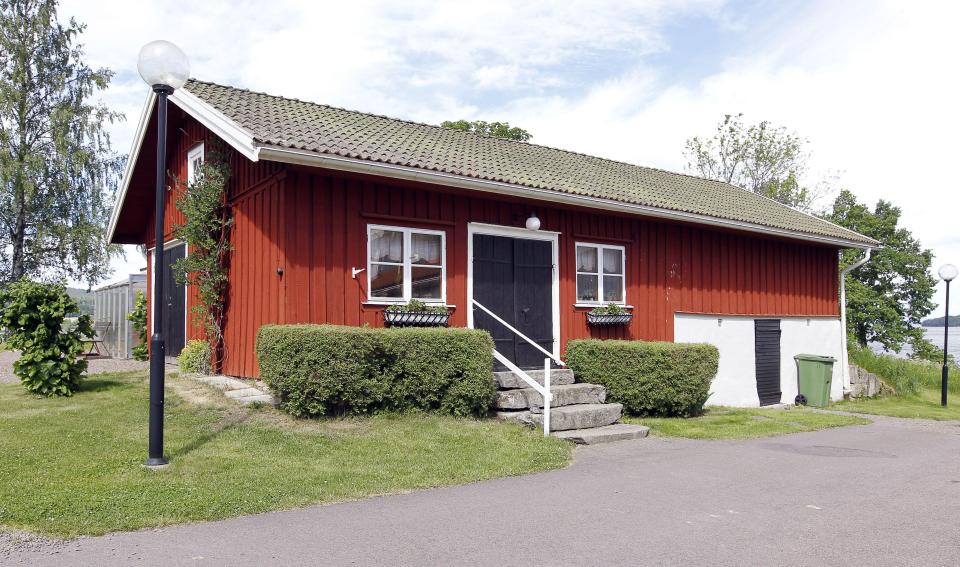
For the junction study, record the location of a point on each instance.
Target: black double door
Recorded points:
(767, 356)
(513, 277)
(174, 302)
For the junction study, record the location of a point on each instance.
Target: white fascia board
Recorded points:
(131, 161)
(237, 137)
(304, 157)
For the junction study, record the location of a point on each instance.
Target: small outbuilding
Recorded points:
(340, 214)
(111, 305)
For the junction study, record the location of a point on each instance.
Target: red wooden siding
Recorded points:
(311, 224)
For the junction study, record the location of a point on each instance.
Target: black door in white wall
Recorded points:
(513, 277)
(767, 350)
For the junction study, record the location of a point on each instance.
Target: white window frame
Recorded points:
(599, 273)
(192, 155)
(407, 266)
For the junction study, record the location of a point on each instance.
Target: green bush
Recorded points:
(320, 370)
(138, 318)
(50, 362)
(648, 378)
(195, 357)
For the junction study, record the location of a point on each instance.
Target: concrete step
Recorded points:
(580, 416)
(262, 399)
(605, 434)
(243, 393)
(558, 377)
(565, 395)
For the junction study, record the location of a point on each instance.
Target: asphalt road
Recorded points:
(883, 494)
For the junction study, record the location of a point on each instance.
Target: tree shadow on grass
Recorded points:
(94, 385)
(229, 420)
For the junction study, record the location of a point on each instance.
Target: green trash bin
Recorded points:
(814, 377)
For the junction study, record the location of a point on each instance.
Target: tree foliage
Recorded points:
(57, 171)
(207, 235)
(761, 158)
(495, 129)
(138, 318)
(50, 362)
(888, 297)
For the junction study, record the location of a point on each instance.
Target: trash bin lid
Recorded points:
(815, 358)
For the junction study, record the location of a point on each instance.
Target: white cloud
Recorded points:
(870, 85)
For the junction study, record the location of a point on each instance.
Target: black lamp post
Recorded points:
(164, 67)
(947, 273)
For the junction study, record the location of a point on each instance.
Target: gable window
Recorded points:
(600, 274)
(194, 162)
(405, 264)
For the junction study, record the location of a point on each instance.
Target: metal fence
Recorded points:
(112, 304)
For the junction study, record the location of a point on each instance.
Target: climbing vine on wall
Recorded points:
(206, 232)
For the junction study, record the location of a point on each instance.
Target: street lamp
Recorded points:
(164, 67)
(947, 273)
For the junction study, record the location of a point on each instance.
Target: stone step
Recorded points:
(580, 416)
(558, 377)
(605, 434)
(243, 393)
(564, 395)
(264, 399)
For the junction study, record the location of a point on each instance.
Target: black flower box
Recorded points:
(415, 318)
(609, 319)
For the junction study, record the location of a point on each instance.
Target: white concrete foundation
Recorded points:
(736, 383)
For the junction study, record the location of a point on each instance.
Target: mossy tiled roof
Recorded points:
(290, 123)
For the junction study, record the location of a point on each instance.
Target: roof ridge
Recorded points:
(465, 132)
(637, 174)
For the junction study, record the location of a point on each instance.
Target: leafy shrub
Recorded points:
(138, 317)
(195, 357)
(648, 378)
(320, 370)
(50, 362)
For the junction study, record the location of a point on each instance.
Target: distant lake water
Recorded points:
(935, 336)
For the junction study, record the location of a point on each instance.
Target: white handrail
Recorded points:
(543, 390)
(518, 333)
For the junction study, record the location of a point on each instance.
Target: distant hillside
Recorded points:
(84, 299)
(938, 321)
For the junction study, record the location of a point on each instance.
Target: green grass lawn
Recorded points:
(73, 466)
(925, 405)
(743, 423)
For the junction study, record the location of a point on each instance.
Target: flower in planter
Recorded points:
(416, 314)
(610, 314)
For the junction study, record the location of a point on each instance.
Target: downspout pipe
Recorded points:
(844, 357)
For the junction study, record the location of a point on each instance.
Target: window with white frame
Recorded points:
(405, 264)
(194, 162)
(600, 274)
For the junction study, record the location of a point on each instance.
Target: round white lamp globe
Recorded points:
(533, 223)
(163, 64)
(948, 272)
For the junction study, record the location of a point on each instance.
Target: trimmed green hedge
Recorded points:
(318, 370)
(648, 378)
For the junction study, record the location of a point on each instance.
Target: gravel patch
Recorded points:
(96, 365)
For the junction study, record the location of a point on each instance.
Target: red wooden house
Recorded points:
(339, 214)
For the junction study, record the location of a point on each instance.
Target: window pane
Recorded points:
(612, 261)
(426, 249)
(586, 288)
(427, 283)
(613, 288)
(386, 281)
(586, 259)
(386, 246)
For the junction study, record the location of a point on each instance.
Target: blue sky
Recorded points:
(871, 85)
